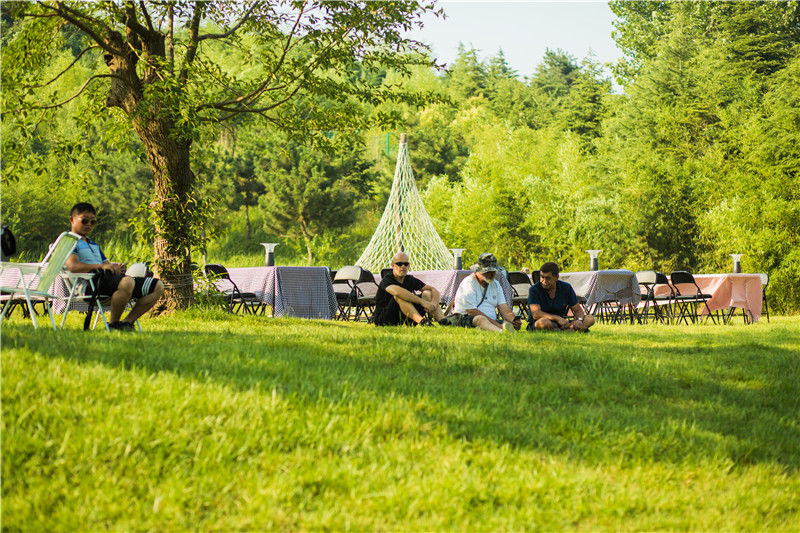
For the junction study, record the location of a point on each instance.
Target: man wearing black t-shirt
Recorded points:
(396, 304)
(551, 299)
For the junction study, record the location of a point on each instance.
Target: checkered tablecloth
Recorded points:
(304, 292)
(604, 286)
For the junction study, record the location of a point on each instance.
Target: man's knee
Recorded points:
(544, 323)
(159, 289)
(126, 285)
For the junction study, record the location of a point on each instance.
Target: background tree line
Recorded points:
(694, 158)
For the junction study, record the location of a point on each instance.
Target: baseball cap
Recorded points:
(487, 262)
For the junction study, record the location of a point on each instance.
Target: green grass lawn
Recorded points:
(218, 422)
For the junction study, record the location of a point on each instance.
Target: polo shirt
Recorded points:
(89, 252)
(565, 298)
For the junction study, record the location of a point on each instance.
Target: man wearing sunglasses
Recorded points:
(88, 257)
(396, 302)
(480, 297)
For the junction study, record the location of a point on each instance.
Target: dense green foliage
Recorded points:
(693, 157)
(208, 421)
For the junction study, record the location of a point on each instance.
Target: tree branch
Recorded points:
(63, 71)
(191, 50)
(232, 30)
(170, 37)
(73, 18)
(147, 18)
(77, 94)
(261, 88)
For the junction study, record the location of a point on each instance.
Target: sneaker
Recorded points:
(426, 322)
(122, 326)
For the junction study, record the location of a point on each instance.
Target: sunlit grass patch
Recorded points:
(212, 421)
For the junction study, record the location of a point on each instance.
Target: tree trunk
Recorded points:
(307, 239)
(247, 217)
(173, 209)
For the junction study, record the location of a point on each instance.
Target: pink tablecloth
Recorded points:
(732, 290)
(727, 291)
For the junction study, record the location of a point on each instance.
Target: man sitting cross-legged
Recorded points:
(396, 304)
(480, 297)
(88, 257)
(549, 301)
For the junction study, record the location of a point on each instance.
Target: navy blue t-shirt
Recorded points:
(564, 299)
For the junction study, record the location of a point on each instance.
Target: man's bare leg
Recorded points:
(481, 322)
(144, 303)
(545, 323)
(121, 297)
(438, 314)
(408, 309)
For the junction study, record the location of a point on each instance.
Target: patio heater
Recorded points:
(593, 265)
(737, 263)
(269, 253)
(457, 260)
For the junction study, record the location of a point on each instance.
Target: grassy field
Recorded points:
(217, 422)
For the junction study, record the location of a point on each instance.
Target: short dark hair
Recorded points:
(82, 207)
(549, 268)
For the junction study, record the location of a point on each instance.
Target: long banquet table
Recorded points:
(305, 292)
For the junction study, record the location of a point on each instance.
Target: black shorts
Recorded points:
(109, 283)
(391, 315)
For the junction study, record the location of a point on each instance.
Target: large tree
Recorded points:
(174, 68)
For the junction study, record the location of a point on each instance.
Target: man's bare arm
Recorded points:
(76, 266)
(537, 313)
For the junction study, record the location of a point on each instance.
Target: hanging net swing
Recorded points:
(405, 226)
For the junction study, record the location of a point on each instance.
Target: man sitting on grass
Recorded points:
(480, 297)
(550, 299)
(396, 304)
(88, 257)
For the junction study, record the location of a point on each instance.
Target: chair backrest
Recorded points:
(55, 259)
(646, 277)
(216, 271)
(535, 277)
(350, 273)
(366, 277)
(385, 272)
(681, 277)
(518, 278)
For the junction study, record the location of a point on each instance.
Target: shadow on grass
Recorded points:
(609, 396)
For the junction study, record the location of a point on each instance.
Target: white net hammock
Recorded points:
(405, 226)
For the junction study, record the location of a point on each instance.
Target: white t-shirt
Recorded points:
(470, 292)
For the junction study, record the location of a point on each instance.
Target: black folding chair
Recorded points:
(687, 300)
(520, 285)
(658, 307)
(232, 298)
(355, 290)
(764, 285)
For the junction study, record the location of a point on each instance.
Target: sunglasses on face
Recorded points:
(402, 263)
(89, 221)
